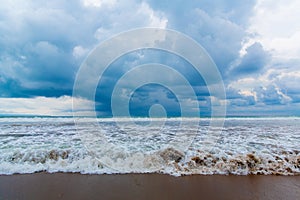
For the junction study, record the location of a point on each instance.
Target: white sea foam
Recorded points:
(246, 146)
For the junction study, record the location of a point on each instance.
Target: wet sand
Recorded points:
(147, 186)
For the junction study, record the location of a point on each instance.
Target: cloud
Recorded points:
(149, 95)
(219, 26)
(253, 61)
(99, 3)
(272, 95)
(255, 45)
(139, 104)
(274, 87)
(61, 106)
(43, 44)
(79, 52)
(275, 27)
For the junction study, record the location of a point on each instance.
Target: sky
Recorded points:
(254, 44)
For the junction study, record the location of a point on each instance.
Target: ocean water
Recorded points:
(242, 146)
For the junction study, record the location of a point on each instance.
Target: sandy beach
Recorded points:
(147, 186)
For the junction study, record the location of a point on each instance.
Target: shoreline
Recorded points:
(147, 186)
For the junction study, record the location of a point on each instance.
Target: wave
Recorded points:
(245, 146)
(171, 161)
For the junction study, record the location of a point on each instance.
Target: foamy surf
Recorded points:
(245, 146)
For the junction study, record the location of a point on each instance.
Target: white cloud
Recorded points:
(79, 51)
(276, 25)
(61, 106)
(278, 85)
(154, 20)
(99, 3)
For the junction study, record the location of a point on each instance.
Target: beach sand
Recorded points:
(147, 186)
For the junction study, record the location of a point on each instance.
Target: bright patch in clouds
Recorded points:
(99, 3)
(270, 88)
(277, 26)
(154, 21)
(61, 106)
(80, 52)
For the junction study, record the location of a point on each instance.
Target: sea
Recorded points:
(175, 146)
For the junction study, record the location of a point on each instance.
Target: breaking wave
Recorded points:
(268, 146)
